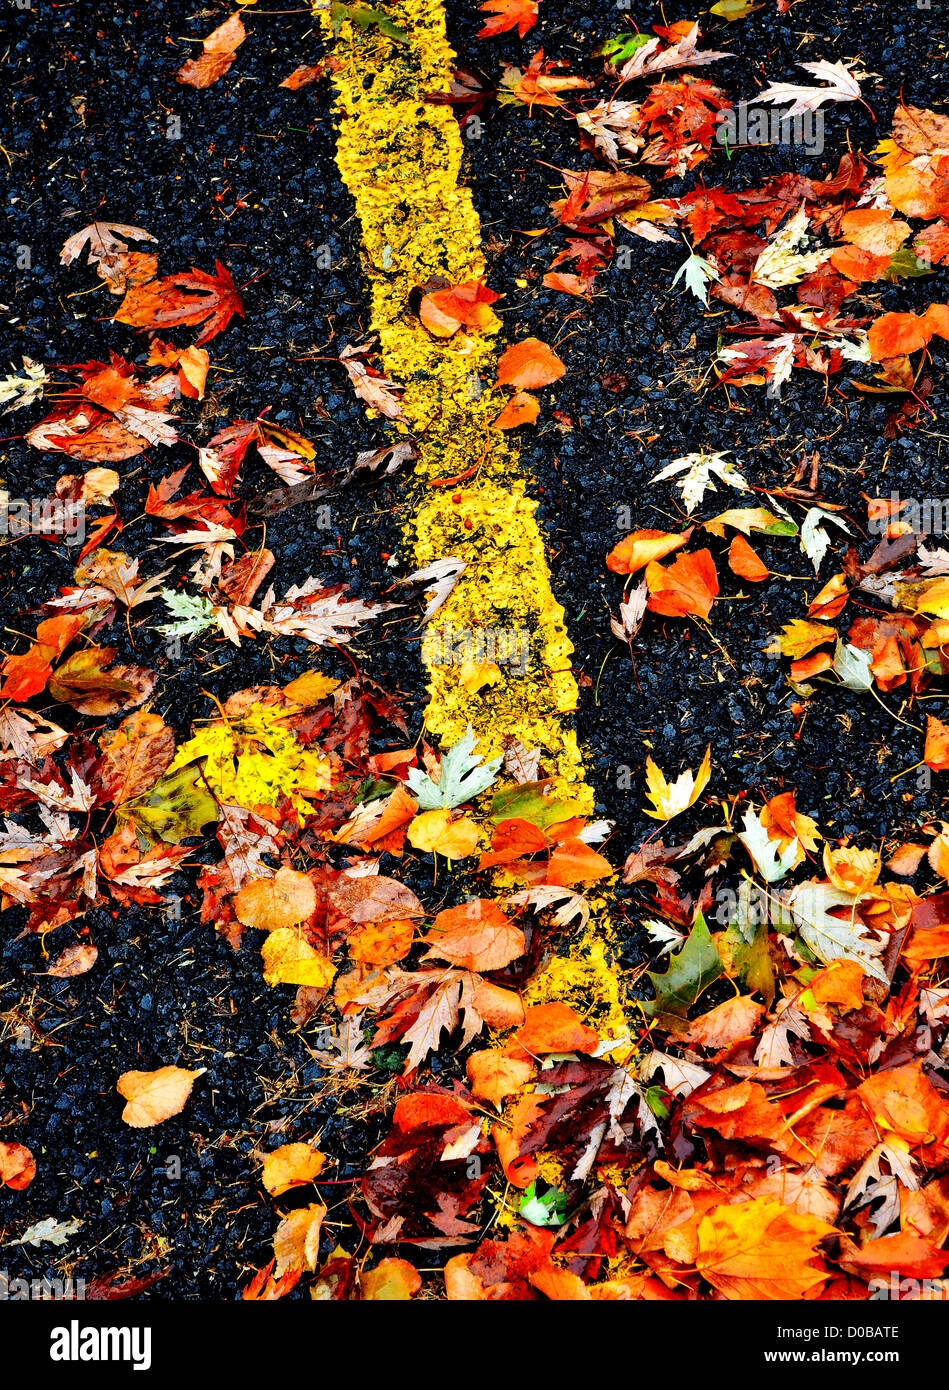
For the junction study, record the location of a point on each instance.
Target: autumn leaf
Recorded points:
(281, 901)
(476, 935)
(640, 547)
(493, 1075)
(936, 754)
(83, 682)
(842, 86)
(445, 311)
(437, 832)
(745, 562)
(370, 384)
(292, 1165)
(760, 1249)
(508, 14)
(684, 792)
(17, 1166)
(218, 52)
(134, 756)
(155, 1096)
(521, 409)
(75, 960)
(303, 76)
(392, 1280)
(185, 299)
(727, 1023)
(687, 587)
(289, 959)
(553, 1027)
(798, 637)
(296, 1241)
(689, 974)
(529, 364)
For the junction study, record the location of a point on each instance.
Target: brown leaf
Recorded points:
(134, 756)
(217, 55)
(75, 960)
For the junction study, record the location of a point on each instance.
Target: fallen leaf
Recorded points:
(528, 365)
(281, 901)
(292, 1165)
(17, 1166)
(155, 1096)
(218, 52)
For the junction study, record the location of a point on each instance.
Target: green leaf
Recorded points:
(464, 776)
(656, 1100)
(619, 50)
(690, 973)
(365, 18)
(192, 614)
(527, 801)
(178, 806)
(733, 9)
(906, 265)
(745, 943)
(548, 1209)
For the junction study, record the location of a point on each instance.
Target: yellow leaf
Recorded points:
(392, 1280)
(290, 960)
(154, 1096)
(436, 832)
(291, 1165)
(310, 688)
(684, 792)
(797, 638)
(761, 1249)
(296, 1242)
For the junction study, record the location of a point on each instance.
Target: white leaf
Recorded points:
(684, 54)
(23, 390)
(833, 938)
(852, 666)
(764, 852)
(780, 263)
(698, 469)
(698, 274)
(843, 86)
(814, 539)
(49, 1229)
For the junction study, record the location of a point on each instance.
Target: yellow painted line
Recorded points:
(401, 159)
